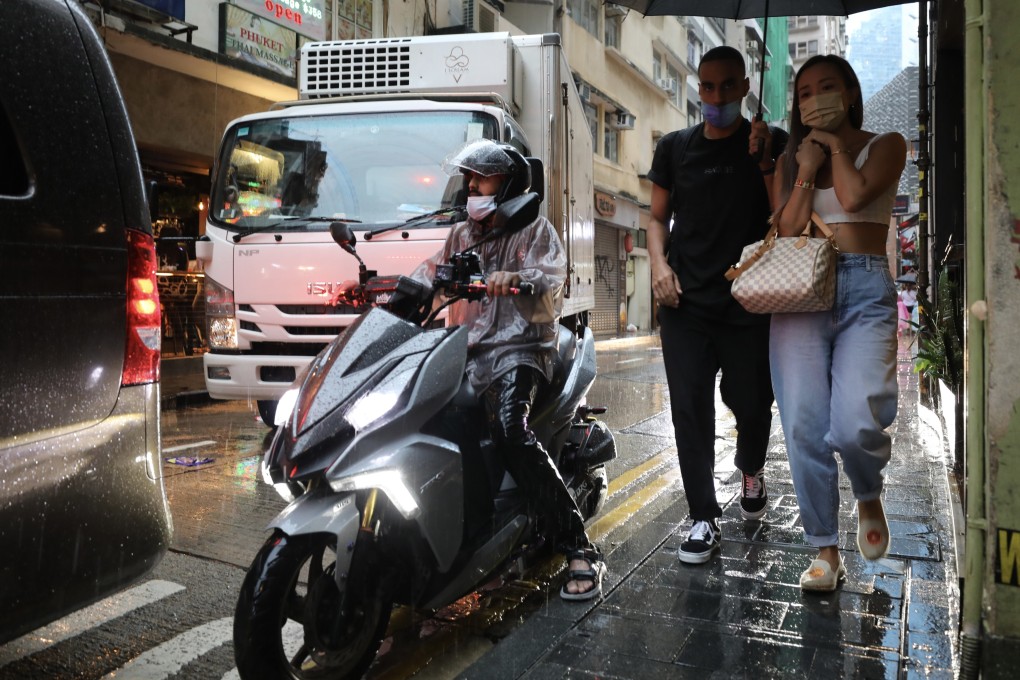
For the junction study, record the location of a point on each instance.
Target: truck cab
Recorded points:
(365, 145)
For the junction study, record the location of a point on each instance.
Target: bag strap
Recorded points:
(770, 240)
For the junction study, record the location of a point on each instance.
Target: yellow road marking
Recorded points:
(635, 501)
(628, 477)
(418, 655)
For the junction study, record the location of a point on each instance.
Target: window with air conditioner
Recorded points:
(480, 17)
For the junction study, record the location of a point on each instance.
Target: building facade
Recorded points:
(875, 49)
(187, 69)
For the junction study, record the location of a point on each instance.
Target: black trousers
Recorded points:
(508, 402)
(694, 350)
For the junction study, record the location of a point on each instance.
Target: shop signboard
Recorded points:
(306, 17)
(248, 37)
(901, 206)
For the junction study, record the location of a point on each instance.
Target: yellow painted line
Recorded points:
(628, 477)
(413, 657)
(635, 501)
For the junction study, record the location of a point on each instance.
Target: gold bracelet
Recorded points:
(836, 151)
(804, 185)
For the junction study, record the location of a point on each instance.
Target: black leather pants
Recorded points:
(508, 402)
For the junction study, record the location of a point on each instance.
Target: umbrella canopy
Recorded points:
(753, 9)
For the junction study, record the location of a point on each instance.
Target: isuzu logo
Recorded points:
(324, 287)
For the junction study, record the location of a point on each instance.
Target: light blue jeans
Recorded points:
(834, 376)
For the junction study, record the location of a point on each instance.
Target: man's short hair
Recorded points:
(724, 53)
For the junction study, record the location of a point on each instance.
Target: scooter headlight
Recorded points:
(370, 408)
(285, 406)
(390, 482)
(281, 488)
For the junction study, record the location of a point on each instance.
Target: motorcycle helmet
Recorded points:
(486, 158)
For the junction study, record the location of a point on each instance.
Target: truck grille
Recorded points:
(313, 330)
(290, 349)
(317, 309)
(355, 67)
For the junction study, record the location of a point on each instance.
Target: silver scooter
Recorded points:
(396, 492)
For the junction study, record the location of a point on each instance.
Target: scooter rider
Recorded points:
(512, 340)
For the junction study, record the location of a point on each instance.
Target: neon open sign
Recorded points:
(307, 17)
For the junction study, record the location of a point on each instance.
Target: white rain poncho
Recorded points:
(508, 331)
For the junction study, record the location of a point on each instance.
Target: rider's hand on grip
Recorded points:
(525, 288)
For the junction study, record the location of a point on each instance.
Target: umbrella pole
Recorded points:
(760, 152)
(764, 51)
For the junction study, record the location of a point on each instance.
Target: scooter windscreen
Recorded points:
(357, 384)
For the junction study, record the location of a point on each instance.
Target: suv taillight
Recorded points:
(141, 356)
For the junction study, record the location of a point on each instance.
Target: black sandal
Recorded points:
(594, 574)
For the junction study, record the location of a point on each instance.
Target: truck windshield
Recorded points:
(375, 169)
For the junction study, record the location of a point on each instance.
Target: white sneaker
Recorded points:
(702, 541)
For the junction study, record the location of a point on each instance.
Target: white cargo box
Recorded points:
(468, 63)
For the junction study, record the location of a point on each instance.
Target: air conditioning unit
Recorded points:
(584, 91)
(480, 17)
(615, 11)
(622, 120)
(668, 85)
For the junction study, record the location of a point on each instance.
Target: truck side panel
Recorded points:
(558, 131)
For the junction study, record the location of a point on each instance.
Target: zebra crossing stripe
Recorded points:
(293, 637)
(171, 656)
(90, 617)
(185, 447)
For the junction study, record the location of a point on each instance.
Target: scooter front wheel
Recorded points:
(292, 621)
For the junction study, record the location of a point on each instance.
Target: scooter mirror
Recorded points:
(344, 236)
(516, 213)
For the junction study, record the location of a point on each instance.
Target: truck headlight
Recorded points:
(219, 312)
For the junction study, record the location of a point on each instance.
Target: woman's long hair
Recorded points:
(798, 130)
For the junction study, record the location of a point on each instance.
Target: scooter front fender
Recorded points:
(324, 512)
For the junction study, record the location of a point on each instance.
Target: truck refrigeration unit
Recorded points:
(364, 143)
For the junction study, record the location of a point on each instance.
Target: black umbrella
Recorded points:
(754, 9)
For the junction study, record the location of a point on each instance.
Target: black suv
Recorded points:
(83, 511)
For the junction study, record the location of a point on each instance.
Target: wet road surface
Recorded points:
(741, 615)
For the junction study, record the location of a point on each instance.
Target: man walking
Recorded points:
(717, 190)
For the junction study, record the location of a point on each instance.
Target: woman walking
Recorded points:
(834, 372)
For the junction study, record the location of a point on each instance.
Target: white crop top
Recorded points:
(879, 210)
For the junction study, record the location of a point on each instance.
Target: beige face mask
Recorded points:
(823, 111)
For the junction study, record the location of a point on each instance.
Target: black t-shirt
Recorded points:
(720, 205)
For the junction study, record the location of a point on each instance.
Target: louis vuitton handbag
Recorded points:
(782, 274)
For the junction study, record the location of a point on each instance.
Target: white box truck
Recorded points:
(365, 144)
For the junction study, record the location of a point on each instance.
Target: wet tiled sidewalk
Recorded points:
(743, 615)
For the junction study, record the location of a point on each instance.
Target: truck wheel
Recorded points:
(292, 621)
(267, 411)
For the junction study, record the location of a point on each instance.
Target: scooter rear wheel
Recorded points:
(289, 621)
